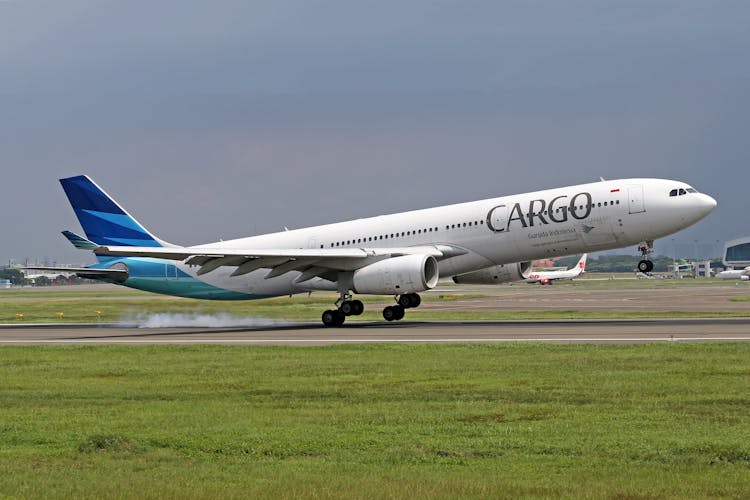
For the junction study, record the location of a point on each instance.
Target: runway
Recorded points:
(310, 334)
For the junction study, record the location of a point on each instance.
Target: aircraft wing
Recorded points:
(310, 261)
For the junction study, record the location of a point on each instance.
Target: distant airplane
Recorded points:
(484, 241)
(547, 277)
(735, 274)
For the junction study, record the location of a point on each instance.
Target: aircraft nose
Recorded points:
(708, 203)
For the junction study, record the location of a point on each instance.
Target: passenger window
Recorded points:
(605, 203)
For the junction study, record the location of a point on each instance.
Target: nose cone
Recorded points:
(702, 205)
(707, 204)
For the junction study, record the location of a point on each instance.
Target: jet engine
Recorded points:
(492, 275)
(397, 275)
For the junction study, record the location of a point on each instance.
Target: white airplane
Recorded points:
(403, 254)
(547, 277)
(735, 274)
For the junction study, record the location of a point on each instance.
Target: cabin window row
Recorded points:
(402, 234)
(448, 227)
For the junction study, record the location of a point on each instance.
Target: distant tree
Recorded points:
(42, 281)
(15, 276)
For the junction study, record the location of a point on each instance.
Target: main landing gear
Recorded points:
(645, 265)
(406, 301)
(345, 307)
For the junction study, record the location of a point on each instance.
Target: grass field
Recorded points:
(125, 305)
(376, 421)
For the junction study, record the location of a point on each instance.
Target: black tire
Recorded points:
(399, 312)
(347, 308)
(357, 307)
(415, 300)
(340, 317)
(409, 300)
(329, 318)
(645, 266)
(333, 318)
(389, 314)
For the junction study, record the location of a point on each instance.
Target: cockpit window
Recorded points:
(673, 192)
(682, 191)
(691, 190)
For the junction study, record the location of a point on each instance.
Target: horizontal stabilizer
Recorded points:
(79, 241)
(118, 275)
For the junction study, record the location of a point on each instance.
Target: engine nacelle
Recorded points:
(397, 275)
(493, 275)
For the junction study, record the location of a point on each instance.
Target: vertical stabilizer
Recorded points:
(103, 220)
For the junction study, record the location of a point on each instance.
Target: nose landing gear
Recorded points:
(645, 265)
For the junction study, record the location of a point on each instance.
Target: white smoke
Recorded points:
(197, 320)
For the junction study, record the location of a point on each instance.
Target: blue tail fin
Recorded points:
(102, 219)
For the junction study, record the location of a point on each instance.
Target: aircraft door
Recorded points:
(635, 199)
(170, 271)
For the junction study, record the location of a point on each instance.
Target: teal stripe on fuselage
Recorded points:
(162, 276)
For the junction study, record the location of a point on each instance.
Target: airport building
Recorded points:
(737, 253)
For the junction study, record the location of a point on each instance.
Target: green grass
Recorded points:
(376, 421)
(745, 298)
(72, 306)
(295, 309)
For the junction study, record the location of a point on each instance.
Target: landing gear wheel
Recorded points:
(333, 317)
(393, 313)
(645, 266)
(399, 312)
(409, 300)
(357, 307)
(347, 308)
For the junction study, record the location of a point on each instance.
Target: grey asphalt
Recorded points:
(557, 331)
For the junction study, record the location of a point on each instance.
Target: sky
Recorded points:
(223, 119)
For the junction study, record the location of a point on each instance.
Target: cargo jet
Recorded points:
(403, 254)
(547, 277)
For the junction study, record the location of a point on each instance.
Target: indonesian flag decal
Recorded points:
(614, 190)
